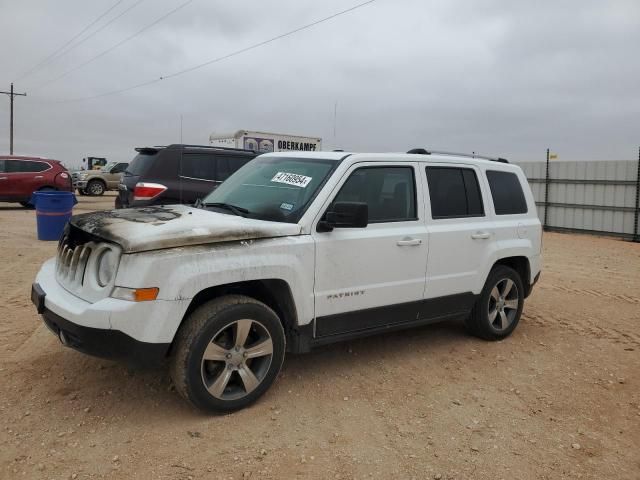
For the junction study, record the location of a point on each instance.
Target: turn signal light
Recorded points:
(147, 191)
(145, 294)
(136, 294)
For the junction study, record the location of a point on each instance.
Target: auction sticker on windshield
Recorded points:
(291, 179)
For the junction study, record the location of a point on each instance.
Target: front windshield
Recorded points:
(273, 188)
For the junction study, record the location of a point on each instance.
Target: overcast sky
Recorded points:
(498, 77)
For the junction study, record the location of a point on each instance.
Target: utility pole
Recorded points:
(11, 95)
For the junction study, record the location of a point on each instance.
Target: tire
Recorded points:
(81, 192)
(496, 314)
(28, 203)
(253, 363)
(95, 188)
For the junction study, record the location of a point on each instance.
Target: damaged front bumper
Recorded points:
(87, 327)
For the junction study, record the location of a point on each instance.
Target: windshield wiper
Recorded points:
(240, 211)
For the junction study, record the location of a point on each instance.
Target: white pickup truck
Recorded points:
(293, 251)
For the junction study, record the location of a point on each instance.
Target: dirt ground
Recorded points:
(560, 398)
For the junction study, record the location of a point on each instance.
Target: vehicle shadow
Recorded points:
(148, 394)
(13, 207)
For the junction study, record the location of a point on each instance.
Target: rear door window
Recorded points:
(18, 166)
(198, 166)
(231, 164)
(507, 194)
(29, 166)
(222, 168)
(454, 192)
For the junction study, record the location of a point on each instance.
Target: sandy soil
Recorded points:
(559, 399)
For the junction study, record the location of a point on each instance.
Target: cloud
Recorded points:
(506, 78)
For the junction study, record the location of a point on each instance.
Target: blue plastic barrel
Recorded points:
(53, 211)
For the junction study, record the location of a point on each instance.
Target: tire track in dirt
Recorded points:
(583, 326)
(593, 293)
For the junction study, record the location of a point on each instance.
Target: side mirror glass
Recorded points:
(345, 215)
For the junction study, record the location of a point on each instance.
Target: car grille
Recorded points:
(77, 263)
(71, 263)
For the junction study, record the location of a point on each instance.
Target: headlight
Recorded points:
(107, 264)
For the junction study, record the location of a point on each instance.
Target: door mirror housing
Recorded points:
(345, 215)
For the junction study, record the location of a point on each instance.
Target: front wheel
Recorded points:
(227, 353)
(497, 312)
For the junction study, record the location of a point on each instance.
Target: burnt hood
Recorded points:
(154, 228)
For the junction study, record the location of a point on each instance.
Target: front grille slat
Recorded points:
(82, 264)
(71, 263)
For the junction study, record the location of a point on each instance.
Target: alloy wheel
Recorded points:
(503, 304)
(237, 359)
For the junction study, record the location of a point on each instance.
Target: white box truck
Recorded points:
(264, 142)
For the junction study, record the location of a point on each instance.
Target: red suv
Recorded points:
(21, 176)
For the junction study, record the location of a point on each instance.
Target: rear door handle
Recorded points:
(38, 177)
(409, 242)
(480, 235)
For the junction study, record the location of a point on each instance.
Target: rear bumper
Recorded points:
(104, 343)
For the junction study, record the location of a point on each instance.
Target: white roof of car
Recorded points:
(399, 156)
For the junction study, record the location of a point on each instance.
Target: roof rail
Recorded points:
(422, 151)
(213, 147)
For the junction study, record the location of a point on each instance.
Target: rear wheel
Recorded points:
(497, 312)
(227, 353)
(30, 205)
(95, 188)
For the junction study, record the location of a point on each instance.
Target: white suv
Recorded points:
(293, 251)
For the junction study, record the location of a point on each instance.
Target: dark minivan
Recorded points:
(177, 174)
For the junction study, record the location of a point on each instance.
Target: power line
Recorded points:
(95, 32)
(56, 52)
(113, 47)
(221, 58)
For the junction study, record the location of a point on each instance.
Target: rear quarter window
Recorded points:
(507, 194)
(141, 164)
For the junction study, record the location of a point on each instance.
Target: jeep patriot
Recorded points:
(293, 251)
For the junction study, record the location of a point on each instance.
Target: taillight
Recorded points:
(147, 191)
(63, 179)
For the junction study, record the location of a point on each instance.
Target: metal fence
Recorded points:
(600, 197)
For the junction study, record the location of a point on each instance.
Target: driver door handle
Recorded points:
(409, 242)
(480, 235)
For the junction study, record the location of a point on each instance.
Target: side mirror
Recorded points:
(345, 215)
